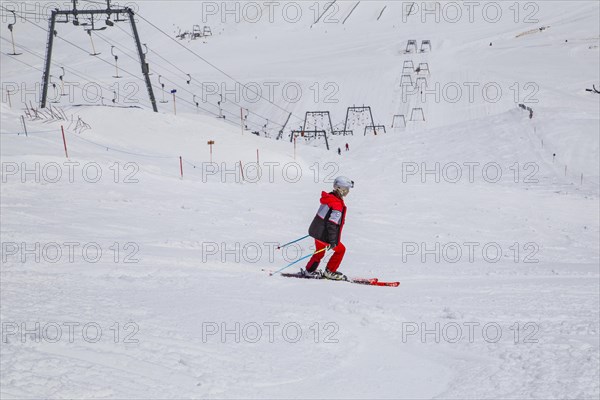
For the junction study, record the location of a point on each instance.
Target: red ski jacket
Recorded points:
(328, 223)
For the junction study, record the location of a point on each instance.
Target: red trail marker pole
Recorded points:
(174, 106)
(181, 166)
(210, 144)
(64, 141)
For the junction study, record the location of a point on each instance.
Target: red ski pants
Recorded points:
(334, 261)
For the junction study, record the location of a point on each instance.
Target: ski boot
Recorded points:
(334, 276)
(316, 274)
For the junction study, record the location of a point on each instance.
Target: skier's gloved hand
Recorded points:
(332, 245)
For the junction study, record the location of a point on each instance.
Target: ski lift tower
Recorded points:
(108, 12)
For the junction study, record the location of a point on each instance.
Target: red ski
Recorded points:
(373, 282)
(360, 281)
(392, 284)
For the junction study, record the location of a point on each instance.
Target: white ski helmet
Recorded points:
(343, 185)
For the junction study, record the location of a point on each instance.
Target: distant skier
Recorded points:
(347, 147)
(339, 151)
(326, 229)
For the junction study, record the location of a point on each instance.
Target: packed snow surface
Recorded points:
(121, 278)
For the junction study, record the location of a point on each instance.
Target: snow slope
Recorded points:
(198, 317)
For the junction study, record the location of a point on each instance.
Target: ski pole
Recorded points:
(298, 260)
(293, 241)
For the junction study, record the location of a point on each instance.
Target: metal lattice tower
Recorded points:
(359, 110)
(108, 12)
(317, 114)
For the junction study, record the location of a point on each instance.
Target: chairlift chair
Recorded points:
(94, 52)
(220, 108)
(145, 53)
(162, 85)
(89, 32)
(112, 51)
(54, 87)
(197, 104)
(196, 32)
(12, 36)
(62, 82)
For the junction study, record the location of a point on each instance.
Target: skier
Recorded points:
(347, 147)
(339, 151)
(326, 229)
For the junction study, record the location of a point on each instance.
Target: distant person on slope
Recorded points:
(326, 229)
